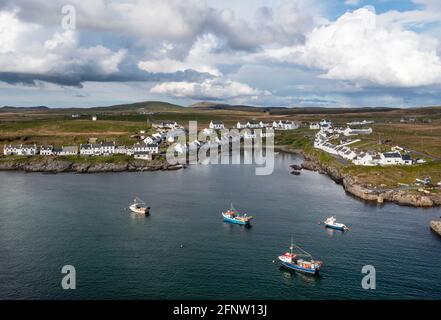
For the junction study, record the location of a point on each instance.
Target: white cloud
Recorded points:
(352, 2)
(198, 58)
(30, 49)
(216, 89)
(358, 49)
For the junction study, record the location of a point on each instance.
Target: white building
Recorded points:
(167, 125)
(143, 147)
(241, 125)
(253, 125)
(314, 126)
(94, 118)
(325, 123)
(123, 150)
(108, 148)
(86, 149)
(264, 124)
(391, 158)
(66, 151)
(9, 150)
(20, 150)
(285, 125)
(350, 132)
(149, 139)
(216, 125)
(47, 150)
(366, 159)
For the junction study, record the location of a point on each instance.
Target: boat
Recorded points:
(233, 216)
(139, 206)
(301, 261)
(331, 223)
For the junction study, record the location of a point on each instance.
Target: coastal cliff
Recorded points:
(52, 165)
(353, 187)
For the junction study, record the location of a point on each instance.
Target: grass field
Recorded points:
(119, 123)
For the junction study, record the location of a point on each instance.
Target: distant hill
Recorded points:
(155, 106)
(223, 106)
(322, 110)
(15, 109)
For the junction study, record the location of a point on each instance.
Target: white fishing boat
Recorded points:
(332, 223)
(139, 206)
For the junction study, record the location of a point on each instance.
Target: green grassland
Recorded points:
(120, 122)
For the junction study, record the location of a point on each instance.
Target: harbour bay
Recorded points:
(185, 251)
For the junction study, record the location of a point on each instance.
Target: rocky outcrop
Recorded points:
(353, 187)
(56, 166)
(436, 226)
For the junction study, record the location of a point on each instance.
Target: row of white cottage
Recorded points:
(277, 125)
(365, 158)
(139, 150)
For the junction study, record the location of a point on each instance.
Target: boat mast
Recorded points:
(291, 246)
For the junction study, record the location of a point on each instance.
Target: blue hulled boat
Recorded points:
(233, 216)
(333, 224)
(298, 262)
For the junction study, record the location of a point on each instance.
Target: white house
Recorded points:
(149, 139)
(264, 124)
(96, 149)
(21, 150)
(46, 150)
(366, 159)
(121, 150)
(407, 160)
(94, 118)
(9, 150)
(325, 123)
(391, 158)
(29, 150)
(66, 151)
(314, 126)
(346, 153)
(216, 125)
(289, 125)
(108, 148)
(143, 147)
(86, 149)
(349, 131)
(168, 125)
(241, 125)
(253, 125)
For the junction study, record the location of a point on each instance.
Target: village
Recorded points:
(166, 134)
(328, 133)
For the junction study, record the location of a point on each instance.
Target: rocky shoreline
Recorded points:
(436, 226)
(350, 184)
(51, 165)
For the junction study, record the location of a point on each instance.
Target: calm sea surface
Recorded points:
(47, 221)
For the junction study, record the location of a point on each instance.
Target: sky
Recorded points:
(290, 53)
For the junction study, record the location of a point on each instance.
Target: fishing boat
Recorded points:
(139, 206)
(331, 223)
(233, 216)
(300, 261)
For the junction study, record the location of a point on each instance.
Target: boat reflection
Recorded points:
(289, 276)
